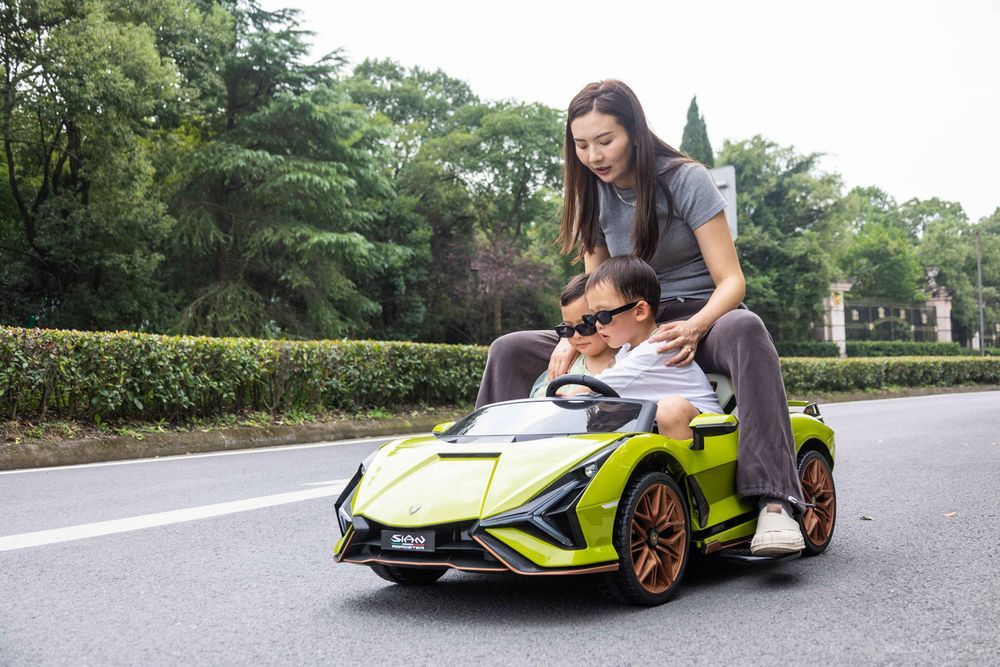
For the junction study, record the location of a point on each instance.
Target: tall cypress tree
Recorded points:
(276, 204)
(695, 141)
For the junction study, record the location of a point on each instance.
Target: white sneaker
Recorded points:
(777, 535)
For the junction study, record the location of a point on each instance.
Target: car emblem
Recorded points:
(414, 509)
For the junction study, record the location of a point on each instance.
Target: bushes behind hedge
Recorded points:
(101, 376)
(809, 348)
(805, 375)
(900, 348)
(878, 348)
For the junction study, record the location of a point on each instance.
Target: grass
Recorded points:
(17, 431)
(889, 392)
(54, 431)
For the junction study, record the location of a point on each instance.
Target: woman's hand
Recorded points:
(561, 359)
(682, 336)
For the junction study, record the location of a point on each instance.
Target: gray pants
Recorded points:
(738, 346)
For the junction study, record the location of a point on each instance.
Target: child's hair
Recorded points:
(631, 277)
(575, 289)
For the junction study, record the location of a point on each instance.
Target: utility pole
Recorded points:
(979, 277)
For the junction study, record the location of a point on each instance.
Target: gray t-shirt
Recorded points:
(678, 261)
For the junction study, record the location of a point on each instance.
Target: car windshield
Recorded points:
(540, 418)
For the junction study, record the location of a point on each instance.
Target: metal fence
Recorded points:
(872, 319)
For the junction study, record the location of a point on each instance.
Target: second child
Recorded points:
(623, 294)
(594, 355)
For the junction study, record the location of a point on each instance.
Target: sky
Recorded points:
(904, 96)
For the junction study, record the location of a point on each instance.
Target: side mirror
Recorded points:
(442, 427)
(708, 425)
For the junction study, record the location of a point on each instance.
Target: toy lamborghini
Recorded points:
(565, 486)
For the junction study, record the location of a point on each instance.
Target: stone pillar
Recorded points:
(941, 301)
(834, 329)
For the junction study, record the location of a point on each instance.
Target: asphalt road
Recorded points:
(170, 561)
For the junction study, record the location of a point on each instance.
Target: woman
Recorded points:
(628, 192)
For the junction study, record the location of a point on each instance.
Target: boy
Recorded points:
(594, 354)
(623, 294)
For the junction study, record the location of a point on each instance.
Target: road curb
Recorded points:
(43, 454)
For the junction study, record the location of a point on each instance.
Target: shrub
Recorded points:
(899, 348)
(100, 376)
(807, 349)
(803, 375)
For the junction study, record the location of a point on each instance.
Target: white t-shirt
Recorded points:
(639, 372)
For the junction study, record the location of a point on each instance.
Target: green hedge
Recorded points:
(898, 348)
(807, 349)
(101, 376)
(805, 375)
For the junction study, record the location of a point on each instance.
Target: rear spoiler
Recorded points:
(806, 408)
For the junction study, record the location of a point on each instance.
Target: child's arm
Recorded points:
(573, 391)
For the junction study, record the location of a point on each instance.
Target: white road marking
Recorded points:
(257, 450)
(83, 531)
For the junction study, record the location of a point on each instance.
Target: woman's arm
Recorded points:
(561, 360)
(717, 247)
(592, 260)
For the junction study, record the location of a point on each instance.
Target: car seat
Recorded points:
(723, 387)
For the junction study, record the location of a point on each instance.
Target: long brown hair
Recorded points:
(580, 203)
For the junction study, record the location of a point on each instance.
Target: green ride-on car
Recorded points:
(580, 485)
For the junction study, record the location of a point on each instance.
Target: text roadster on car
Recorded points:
(561, 486)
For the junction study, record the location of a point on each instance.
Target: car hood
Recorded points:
(427, 481)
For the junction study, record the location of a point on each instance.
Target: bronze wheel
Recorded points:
(652, 536)
(817, 486)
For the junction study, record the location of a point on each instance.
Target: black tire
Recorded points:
(654, 549)
(817, 522)
(409, 576)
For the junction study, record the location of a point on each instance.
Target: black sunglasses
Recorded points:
(584, 329)
(605, 316)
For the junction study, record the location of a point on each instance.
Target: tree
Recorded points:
(948, 247)
(81, 86)
(481, 176)
(880, 255)
(918, 215)
(432, 298)
(695, 141)
(947, 254)
(785, 207)
(417, 104)
(276, 201)
(883, 264)
(989, 236)
(509, 163)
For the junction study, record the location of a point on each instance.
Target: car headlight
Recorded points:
(551, 515)
(345, 500)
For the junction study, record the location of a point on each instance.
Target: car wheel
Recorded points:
(652, 535)
(409, 576)
(818, 488)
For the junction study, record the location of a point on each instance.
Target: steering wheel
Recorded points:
(588, 381)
